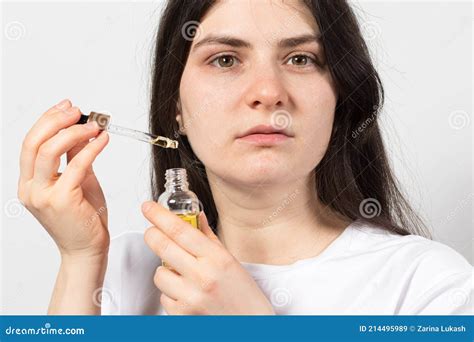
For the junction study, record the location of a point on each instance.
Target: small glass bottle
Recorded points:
(179, 199)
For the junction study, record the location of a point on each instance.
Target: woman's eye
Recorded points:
(224, 61)
(229, 61)
(302, 60)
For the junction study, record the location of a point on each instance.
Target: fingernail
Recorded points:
(91, 125)
(102, 134)
(146, 206)
(63, 104)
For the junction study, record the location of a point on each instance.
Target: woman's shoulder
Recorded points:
(412, 247)
(433, 277)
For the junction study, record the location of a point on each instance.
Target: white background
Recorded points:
(99, 55)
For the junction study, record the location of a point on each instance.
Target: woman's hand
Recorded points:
(70, 206)
(208, 279)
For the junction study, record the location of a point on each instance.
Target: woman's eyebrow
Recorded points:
(239, 43)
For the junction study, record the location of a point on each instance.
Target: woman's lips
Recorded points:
(264, 138)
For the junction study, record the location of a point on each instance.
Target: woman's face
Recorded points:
(257, 76)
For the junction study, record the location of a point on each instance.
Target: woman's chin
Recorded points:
(255, 169)
(262, 173)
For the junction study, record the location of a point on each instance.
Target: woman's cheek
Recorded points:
(316, 140)
(208, 143)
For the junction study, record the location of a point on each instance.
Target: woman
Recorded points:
(275, 107)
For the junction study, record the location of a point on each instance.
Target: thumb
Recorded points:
(204, 227)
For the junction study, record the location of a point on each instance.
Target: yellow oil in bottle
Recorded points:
(193, 221)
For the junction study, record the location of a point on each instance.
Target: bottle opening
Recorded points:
(176, 177)
(175, 172)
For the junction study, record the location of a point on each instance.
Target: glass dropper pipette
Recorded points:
(103, 120)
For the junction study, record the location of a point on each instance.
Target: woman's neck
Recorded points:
(273, 224)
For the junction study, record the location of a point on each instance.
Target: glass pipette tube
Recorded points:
(142, 136)
(103, 120)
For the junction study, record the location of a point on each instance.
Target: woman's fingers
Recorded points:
(174, 256)
(76, 149)
(189, 238)
(77, 169)
(48, 125)
(171, 284)
(206, 229)
(172, 307)
(49, 154)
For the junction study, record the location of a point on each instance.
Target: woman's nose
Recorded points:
(266, 90)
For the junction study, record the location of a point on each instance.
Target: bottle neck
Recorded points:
(176, 180)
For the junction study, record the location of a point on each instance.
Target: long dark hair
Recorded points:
(354, 178)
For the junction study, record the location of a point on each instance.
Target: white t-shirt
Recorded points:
(365, 271)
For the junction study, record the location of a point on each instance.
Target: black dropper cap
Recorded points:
(102, 119)
(83, 119)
